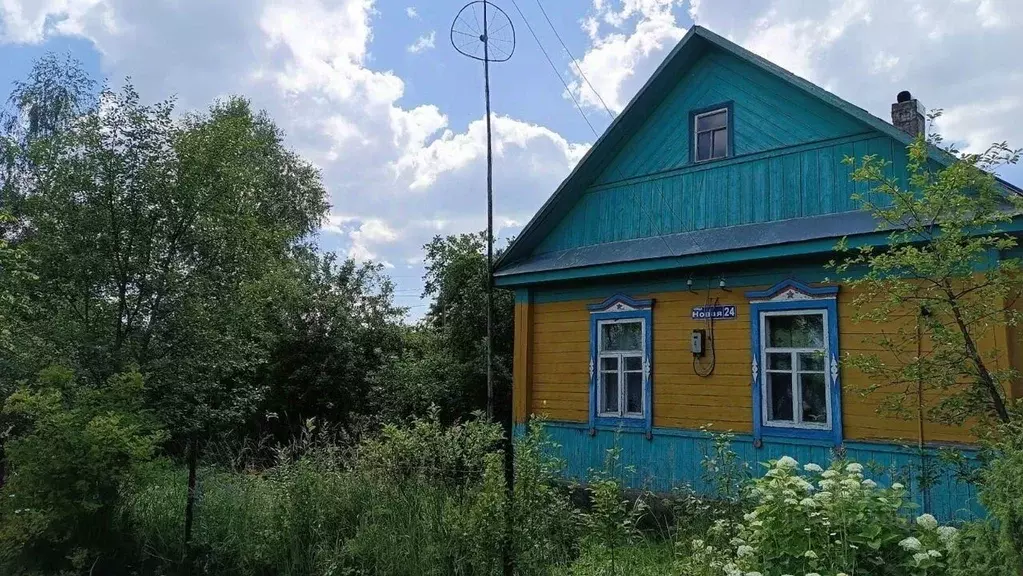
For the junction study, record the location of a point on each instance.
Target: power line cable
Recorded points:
(578, 68)
(555, 68)
(578, 107)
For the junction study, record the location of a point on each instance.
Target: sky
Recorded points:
(373, 93)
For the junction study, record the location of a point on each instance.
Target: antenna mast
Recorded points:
(482, 31)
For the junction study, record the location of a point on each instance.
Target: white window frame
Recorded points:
(696, 134)
(620, 355)
(797, 400)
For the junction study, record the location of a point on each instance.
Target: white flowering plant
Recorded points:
(808, 519)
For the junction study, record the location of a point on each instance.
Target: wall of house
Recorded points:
(551, 379)
(552, 362)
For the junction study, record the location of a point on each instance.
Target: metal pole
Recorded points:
(490, 226)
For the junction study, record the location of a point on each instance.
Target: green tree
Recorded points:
(456, 279)
(337, 325)
(73, 448)
(161, 244)
(946, 280)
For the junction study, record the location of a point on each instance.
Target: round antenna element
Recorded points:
(483, 31)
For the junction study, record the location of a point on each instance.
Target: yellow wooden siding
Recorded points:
(1014, 351)
(557, 356)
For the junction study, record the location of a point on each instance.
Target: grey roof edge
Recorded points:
(706, 241)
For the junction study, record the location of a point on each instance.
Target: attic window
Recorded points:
(711, 134)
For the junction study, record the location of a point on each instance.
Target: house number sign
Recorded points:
(714, 312)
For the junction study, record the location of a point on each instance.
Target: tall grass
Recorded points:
(424, 500)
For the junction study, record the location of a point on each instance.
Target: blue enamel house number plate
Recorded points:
(713, 312)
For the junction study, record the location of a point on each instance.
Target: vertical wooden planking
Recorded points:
(743, 184)
(881, 148)
(827, 192)
(670, 460)
(860, 149)
(843, 184)
(761, 193)
(522, 362)
(777, 189)
(810, 186)
(735, 196)
(699, 201)
(792, 182)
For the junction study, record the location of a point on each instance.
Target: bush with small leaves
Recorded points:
(824, 521)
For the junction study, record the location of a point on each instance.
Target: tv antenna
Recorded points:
(482, 31)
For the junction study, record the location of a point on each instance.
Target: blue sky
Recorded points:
(373, 93)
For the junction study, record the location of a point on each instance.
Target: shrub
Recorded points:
(72, 446)
(824, 521)
(545, 524)
(1000, 489)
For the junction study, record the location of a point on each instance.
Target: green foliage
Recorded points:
(545, 525)
(939, 285)
(980, 550)
(160, 243)
(1001, 496)
(69, 449)
(824, 521)
(335, 327)
(456, 279)
(723, 470)
(612, 521)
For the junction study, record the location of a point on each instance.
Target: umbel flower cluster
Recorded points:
(811, 521)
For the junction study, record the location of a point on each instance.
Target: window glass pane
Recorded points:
(609, 400)
(712, 121)
(814, 407)
(621, 336)
(609, 363)
(796, 331)
(779, 395)
(633, 363)
(720, 143)
(703, 146)
(811, 361)
(779, 361)
(634, 392)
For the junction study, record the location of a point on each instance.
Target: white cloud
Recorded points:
(411, 12)
(423, 43)
(397, 172)
(618, 61)
(30, 22)
(857, 48)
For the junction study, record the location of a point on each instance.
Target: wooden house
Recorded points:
(675, 279)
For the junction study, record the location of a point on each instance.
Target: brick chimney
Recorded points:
(909, 115)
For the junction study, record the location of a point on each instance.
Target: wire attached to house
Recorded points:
(554, 67)
(697, 365)
(579, 107)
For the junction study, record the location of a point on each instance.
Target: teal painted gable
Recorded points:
(636, 196)
(794, 182)
(768, 114)
(787, 162)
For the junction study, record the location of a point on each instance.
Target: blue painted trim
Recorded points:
(894, 447)
(619, 298)
(792, 283)
(826, 302)
(522, 295)
(645, 313)
(729, 106)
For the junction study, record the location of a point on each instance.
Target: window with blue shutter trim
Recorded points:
(796, 388)
(621, 348)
